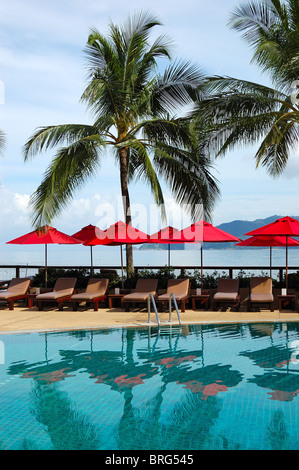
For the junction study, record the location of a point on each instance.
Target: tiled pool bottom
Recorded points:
(199, 387)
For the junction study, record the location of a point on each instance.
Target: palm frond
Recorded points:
(71, 167)
(271, 28)
(189, 177)
(177, 87)
(51, 136)
(277, 145)
(240, 112)
(140, 167)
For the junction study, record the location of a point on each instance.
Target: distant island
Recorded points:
(162, 246)
(237, 228)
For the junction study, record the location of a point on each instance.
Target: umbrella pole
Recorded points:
(271, 261)
(91, 261)
(287, 263)
(122, 267)
(46, 265)
(168, 254)
(201, 267)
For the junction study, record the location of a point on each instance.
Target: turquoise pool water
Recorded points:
(199, 387)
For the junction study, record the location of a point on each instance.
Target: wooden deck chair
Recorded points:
(96, 291)
(181, 290)
(142, 291)
(63, 290)
(260, 292)
(227, 293)
(18, 288)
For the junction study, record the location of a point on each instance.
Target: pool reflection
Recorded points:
(172, 385)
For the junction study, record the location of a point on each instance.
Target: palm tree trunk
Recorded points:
(126, 204)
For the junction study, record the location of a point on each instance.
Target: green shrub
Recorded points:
(82, 275)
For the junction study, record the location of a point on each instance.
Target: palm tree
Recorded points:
(131, 103)
(242, 112)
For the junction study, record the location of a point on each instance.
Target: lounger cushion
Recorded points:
(261, 290)
(178, 287)
(261, 298)
(260, 285)
(16, 287)
(95, 288)
(228, 285)
(64, 287)
(138, 296)
(226, 296)
(8, 295)
(144, 287)
(55, 295)
(166, 296)
(85, 297)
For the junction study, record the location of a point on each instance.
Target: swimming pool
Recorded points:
(199, 387)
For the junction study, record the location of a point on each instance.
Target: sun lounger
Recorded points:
(63, 290)
(96, 290)
(17, 289)
(227, 293)
(143, 289)
(181, 290)
(260, 292)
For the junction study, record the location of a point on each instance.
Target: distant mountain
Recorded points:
(240, 227)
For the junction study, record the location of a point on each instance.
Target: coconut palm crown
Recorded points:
(243, 112)
(134, 109)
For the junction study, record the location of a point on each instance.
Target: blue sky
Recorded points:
(42, 69)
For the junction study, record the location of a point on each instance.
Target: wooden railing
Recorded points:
(230, 270)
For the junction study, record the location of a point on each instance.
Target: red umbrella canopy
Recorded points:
(44, 235)
(89, 232)
(283, 226)
(119, 234)
(268, 240)
(202, 231)
(165, 235)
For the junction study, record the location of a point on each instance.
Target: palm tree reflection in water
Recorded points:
(175, 406)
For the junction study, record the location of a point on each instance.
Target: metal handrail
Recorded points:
(149, 299)
(175, 306)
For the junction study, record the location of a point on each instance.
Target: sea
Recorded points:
(78, 255)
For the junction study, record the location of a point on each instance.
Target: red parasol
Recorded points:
(89, 232)
(285, 226)
(44, 235)
(165, 235)
(202, 231)
(269, 241)
(119, 233)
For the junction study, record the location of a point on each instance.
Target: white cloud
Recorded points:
(14, 214)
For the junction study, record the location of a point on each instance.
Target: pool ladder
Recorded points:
(151, 299)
